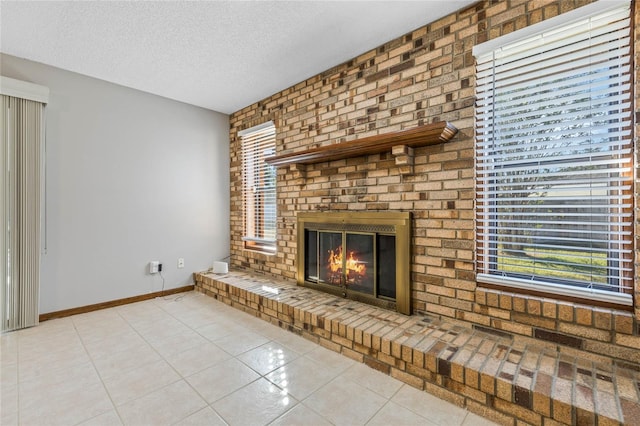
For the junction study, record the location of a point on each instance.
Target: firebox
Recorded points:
(362, 256)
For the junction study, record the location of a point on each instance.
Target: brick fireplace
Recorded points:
(421, 78)
(418, 79)
(362, 256)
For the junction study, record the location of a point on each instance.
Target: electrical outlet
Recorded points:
(181, 262)
(154, 266)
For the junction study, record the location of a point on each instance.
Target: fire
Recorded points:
(355, 268)
(354, 265)
(335, 259)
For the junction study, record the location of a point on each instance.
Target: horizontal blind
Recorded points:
(554, 160)
(259, 188)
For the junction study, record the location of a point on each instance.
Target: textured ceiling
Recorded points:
(220, 55)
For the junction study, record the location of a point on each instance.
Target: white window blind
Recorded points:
(554, 160)
(259, 188)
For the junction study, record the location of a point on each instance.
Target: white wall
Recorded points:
(131, 177)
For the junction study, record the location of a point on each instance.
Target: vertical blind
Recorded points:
(259, 188)
(21, 158)
(554, 160)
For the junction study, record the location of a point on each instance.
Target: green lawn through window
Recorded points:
(562, 264)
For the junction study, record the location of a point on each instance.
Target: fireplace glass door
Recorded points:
(386, 260)
(359, 266)
(329, 261)
(356, 261)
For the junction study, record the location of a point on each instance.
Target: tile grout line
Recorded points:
(135, 330)
(182, 378)
(106, 390)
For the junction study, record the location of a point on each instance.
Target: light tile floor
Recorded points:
(191, 360)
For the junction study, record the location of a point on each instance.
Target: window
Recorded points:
(554, 156)
(259, 188)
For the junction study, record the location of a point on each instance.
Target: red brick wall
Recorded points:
(424, 76)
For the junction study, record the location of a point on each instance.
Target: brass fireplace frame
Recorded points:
(400, 222)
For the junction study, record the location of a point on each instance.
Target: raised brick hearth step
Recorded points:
(508, 381)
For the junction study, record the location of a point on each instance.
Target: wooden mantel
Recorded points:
(429, 134)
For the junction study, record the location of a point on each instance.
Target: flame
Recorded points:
(335, 259)
(354, 265)
(355, 268)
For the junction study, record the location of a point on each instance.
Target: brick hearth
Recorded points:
(506, 380)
